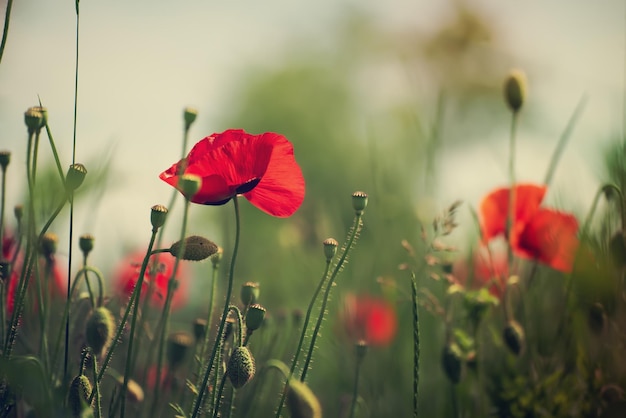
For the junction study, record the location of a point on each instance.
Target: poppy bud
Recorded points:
(178, 344)
(451, 360)
(85, 242)
(330, 248)
(49, 243)
(189, 184)
(196, 248)
(189, 115)
(78, 395)
(33, 119)
(301, 401)
(515, 90)
(240, 367)
(359, 202)
(99, 329)
(514, 337)
(75, 177)
(199, 328)
(5, 159)
(158, 214)
(254, 317)
(249, 293)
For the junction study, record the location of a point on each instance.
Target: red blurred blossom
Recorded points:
(370, 319)
(490, 269)
(49, 271)
(160, 269)
(545, 235)
(261, 167)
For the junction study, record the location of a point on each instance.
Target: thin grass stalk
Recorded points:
(416, 344)
(237, 342)
(229, 290)
(5, 30)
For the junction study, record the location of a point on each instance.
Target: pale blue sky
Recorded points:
(143, 61)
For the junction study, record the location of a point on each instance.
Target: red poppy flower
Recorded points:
(537, 233)
(260, 167)
(160, 269)
(370, 319)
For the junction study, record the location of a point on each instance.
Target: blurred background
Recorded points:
(401, 99)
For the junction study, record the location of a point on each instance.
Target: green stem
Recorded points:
(231, 273)
(416, 344)
(356, 228)
(5, 31)
(510, 216)
(355, 386)
(209, 320)
(96, 386)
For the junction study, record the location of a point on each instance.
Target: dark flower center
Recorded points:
(247, 186)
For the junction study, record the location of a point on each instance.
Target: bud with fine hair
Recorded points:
(158, 214)
(78, 395)
(196, 248)
(99, 330)
(301, 401)
(75, 177)
(241, 367)
(359, 202)
(515, 89)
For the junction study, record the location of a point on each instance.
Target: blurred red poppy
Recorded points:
(50, 272)
(490, 269)
(260, 167)
(545, 235)
(160, 269)
(370, 319)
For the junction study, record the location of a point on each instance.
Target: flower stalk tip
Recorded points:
(515, 90)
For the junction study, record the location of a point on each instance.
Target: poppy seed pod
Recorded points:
(158, 214)
(301, 401)
(34, 119)
(451, 360)
(359, 202)
(241, 367)
(515, 89)
(75, 177)
(330, 248)
(99, 330)
(78, 395)
(189, 184)
(254, 317)
(249, 293)
(49, 243)
(217, 257)
(85, 242)
(18, 211)
(5, 159)
(513, 335)
(199, 328)
(189, 115)
(196, 248)
(178, 345)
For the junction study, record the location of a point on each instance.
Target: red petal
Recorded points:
(550, 237)
(495, 206)
(281, 189)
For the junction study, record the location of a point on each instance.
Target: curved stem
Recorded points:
(5, 31)
(231, 273)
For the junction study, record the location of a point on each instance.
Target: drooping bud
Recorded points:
(452, 361)
(330, 248)
(241, 367)
(78, 395)
(196, 248)
(301, 401)
(515, 89)
(189, 184)
(99, 330)
(75, 177)
(158, 215)
(249, 293)
(178, 345)
(513, 335)
(254, 317)
(5, 159)
(189, 115)
(359, 202)
(85, 242)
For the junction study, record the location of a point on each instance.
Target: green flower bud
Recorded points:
(158, 214)
(241, 367)
(249, 293)
(78, 395)
(254, 317)
(196, 248)
(100, 329)
(451, 359)
(178, 345)
(5, 159)
(515, 90)
(189, 115)
(301, 401)
(75, 177)
(359, 202)
(189, 184)
(330, 248)
(513, 335)
(85, 242)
